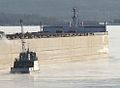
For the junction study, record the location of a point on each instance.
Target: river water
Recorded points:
(95, 73)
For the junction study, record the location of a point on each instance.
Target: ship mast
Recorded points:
(22, 37)
(74, 19)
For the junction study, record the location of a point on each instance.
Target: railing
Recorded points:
(52, 35)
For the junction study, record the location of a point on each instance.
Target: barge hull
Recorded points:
(57, 49)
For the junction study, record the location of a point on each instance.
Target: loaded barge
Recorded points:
(74, 28)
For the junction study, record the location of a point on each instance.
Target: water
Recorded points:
(95, 73)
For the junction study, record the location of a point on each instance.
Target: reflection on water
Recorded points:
(97, 73)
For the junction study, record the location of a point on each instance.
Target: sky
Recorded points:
(63, 8)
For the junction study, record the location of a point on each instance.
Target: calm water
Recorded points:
(97, 73)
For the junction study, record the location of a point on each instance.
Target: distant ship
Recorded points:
(58, 43)
(27, 61)
(2, 34)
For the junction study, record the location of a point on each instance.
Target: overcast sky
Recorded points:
(63, 8)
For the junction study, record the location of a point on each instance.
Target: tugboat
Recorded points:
(27, 61)
(2, 34)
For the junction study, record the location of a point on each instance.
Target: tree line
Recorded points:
(28, 19)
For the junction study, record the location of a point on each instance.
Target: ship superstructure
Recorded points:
(27, 61)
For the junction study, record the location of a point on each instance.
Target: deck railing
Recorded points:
(52, 35)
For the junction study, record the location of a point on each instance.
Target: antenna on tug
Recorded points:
(22, 36)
